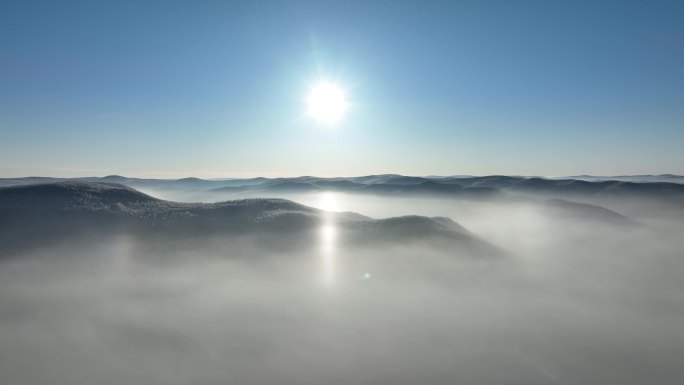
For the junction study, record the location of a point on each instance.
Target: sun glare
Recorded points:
(327, 103)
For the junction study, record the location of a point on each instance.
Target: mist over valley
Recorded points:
(102, 283)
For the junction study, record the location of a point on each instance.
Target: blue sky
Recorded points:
(219, 88)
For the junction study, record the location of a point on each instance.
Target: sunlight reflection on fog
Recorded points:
(328, 201)
(328, 235)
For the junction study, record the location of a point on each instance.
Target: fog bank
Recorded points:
(577, 301)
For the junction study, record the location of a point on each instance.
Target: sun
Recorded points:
(327, 103)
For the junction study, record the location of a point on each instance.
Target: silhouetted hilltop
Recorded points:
(405, 180)
(64, 195)
(561, 208)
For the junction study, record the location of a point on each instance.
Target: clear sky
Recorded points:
(219, 88)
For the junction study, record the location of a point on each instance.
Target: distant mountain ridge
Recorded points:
(667, 178)
(394, 184)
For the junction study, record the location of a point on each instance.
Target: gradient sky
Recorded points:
(218, 88)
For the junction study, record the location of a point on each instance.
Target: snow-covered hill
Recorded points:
(50, 212)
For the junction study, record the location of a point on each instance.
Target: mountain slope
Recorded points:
(34, 215)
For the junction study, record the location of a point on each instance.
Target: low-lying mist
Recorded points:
(576, 300)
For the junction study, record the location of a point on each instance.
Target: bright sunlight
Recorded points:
(327, 103)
